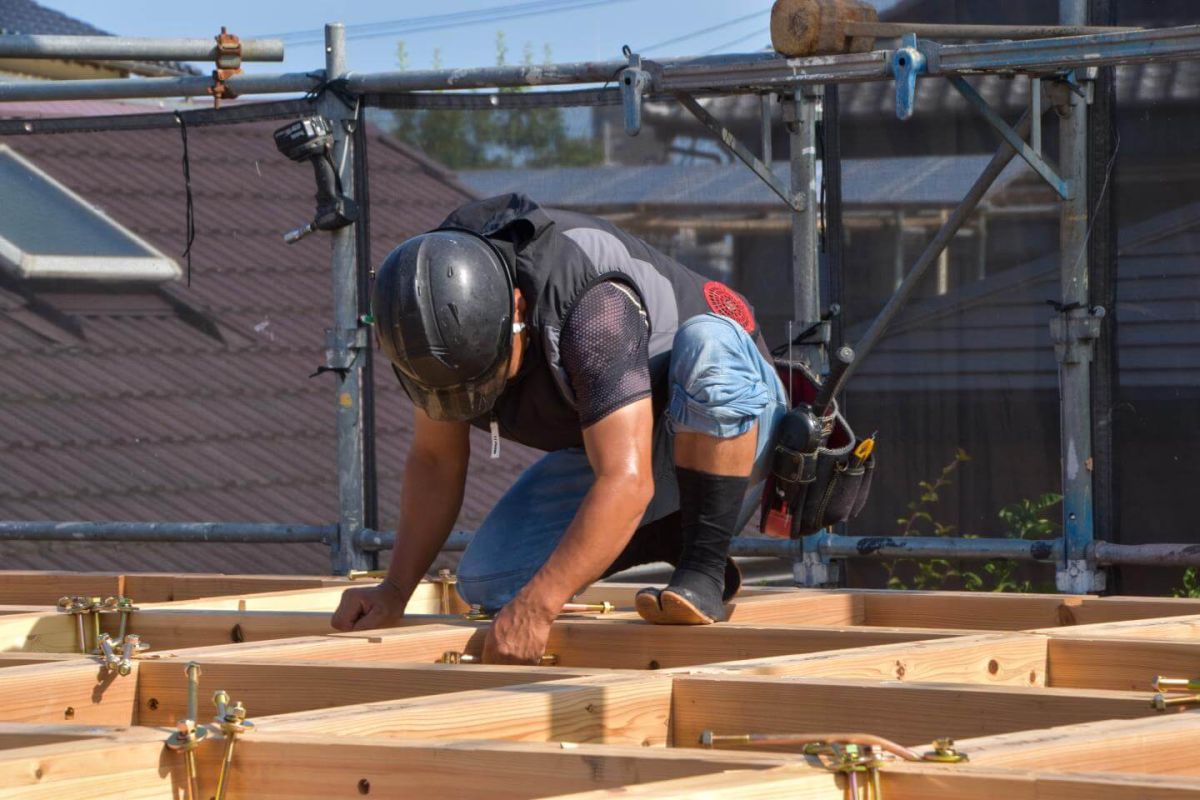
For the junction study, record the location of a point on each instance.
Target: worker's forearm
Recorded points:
(604, 524)
(433, 494)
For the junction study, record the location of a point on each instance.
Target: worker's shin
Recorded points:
(709, 506)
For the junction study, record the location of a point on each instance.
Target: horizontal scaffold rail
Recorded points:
(739, 73)
(120, 48)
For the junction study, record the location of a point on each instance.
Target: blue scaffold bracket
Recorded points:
(908, 63)
(635, 82)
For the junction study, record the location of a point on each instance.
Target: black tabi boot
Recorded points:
(704, 575)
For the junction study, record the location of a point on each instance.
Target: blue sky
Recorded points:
(594, 32)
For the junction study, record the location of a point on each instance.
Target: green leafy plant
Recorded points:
(1024, 519)
(1191, 584)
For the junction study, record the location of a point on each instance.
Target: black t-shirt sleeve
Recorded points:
(604, 347)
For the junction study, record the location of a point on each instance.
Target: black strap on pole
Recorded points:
(190, 214)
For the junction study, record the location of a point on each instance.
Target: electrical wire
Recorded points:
(738, 40)
(411, 25)
(701, 31)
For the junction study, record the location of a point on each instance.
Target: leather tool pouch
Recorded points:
(830, 485)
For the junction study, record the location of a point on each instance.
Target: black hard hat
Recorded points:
(443, 308)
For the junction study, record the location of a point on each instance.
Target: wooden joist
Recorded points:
(601, 709)
(74, 691)
(1049, 695)
(912, 714)
(999, 659)
(279, 687)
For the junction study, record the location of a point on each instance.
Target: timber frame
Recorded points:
(1049, 695)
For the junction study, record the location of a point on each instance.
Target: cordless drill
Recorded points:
(802, 431)
(310, 139)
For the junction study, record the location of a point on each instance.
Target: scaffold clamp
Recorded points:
(635, 82)
(908, 63)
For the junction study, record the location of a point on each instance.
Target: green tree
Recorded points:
(536, 137)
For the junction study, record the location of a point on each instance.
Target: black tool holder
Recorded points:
(815, 479)
(310, 139)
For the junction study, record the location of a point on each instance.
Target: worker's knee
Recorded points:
(720, 383)
(480, 584)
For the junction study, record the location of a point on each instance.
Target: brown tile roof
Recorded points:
(148, 417)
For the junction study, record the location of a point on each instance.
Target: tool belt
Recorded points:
(828, 484)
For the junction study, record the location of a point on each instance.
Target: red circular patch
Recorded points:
(728, 303)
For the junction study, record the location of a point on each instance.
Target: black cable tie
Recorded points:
(338, 87)
(321, 370)
(1063, 308)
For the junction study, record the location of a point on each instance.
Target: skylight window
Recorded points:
(48, 232)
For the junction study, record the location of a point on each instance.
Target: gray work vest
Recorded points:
(555, 256)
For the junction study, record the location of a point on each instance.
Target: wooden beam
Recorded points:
(601, 709)
(426, 599)
(912, 714)
(1167, 628)
(137, 767)
(810, 607)
(21, 659)
(617, 644)
(1123, 664)
(991, 659)
(1014, 612)
(169, 629)
(48, 633)
(44, 588)
(151, 587)
(278, 687)
(599, 644)
(978, 610)
(78, 692)
(16, 735)
(419, 643)
(1096, 610)
(791, 782)
(1160, 745)
(268, 767)
(936, 782)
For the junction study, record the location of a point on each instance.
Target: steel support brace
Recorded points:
(795, 200)
(1075, 331)
(347, 339)
(1025, 151)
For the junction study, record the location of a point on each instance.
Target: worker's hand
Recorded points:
(366, 607)
(518, 634)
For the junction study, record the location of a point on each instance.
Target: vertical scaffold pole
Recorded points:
(346, 341)
(801, 112)
(1074, 331)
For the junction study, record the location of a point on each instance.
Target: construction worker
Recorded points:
(649, 386)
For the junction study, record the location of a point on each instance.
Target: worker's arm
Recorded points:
(618, 448)
(434, 476)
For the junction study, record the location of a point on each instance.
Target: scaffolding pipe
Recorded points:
(733, 73)
(106, 48)
(207, 532)
(129, 88)
(829, 545)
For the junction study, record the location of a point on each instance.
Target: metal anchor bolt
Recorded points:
(188, 734)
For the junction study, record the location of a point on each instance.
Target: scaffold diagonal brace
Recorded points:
(735, 146)
(1027, 152)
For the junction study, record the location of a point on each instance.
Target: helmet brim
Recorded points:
(462, 402)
